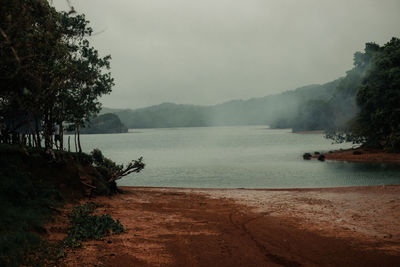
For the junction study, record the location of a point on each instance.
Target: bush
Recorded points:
(86, 226)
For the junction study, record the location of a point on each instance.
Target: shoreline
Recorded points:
(310, 132)
(300, 189)
(338, 226)
(361, 155)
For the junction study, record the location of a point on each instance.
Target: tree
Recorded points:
(113, 171)
(375, 79)
(343, 103)
(49, 72)
(25, 30)
(378, 98)
(87, 79)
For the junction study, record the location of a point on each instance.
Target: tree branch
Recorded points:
(11, 47)
(134, 166)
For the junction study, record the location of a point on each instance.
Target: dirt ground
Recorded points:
(356, 226)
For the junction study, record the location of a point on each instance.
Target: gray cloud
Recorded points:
(210, 51)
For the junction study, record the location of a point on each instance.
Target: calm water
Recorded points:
(234, 157)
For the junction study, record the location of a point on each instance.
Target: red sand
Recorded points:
(356, 226)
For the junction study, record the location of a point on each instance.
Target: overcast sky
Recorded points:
(211, 51)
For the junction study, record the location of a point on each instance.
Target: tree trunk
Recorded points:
(79, 141)
(48, 129)
(37, 132)
(76, 146)
(61, 133)
(31, 131)
(61, 119)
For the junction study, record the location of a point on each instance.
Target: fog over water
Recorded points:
(210, 51)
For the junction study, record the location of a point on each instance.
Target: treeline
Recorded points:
(365, 106)
(336, 111)
(255, 111)
(361, 107)
(50, 75)
(374, 83)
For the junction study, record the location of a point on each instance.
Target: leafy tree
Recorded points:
(87, 79)
(378, 121)
(343, 101)
(49, 72)
(23, 50)
(374, 84)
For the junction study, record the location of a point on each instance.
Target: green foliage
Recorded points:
(378, 98)
(343, 102)
(86, 226)
(50, 73)
(343, 137)
(372, 91)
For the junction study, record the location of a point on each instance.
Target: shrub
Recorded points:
(113, 170)
(86, 226)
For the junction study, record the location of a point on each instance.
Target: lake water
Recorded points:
(234, 157)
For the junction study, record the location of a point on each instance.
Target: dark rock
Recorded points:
(307, 156)
(321, 158)
(316, 153)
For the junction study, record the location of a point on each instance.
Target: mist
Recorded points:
(210, 52)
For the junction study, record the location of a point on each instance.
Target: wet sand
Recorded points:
(355, 226)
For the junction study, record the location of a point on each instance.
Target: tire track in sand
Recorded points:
(242, 226)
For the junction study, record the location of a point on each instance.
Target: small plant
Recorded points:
(87, 226)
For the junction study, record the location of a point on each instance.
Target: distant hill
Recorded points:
(255, 111)
(106, 110)
(106, 123)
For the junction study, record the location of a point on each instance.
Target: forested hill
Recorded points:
(255, 111)
(105, 123)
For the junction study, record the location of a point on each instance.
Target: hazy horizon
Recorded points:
(210, 52)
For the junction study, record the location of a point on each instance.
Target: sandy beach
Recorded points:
(354, 226)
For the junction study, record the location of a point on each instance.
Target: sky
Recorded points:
(206, 52)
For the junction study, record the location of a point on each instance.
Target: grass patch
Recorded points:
(86, 225)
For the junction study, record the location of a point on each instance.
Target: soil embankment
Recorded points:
(357, 226)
